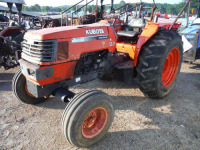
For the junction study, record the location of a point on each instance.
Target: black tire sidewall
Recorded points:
(74, 128)
(160, 83)
(19, 83)
(151, 61)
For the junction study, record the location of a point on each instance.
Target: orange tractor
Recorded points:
(57, 58)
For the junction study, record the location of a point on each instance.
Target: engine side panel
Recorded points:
(76, 41)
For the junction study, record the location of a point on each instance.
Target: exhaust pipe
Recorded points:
(64, 95)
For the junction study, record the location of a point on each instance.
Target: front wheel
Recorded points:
(87, 118)
(20, 90)
(159, 64)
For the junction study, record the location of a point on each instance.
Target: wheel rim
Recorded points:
(26, 89)
(170, 67)
(94, 122)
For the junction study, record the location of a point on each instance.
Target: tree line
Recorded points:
(162, 8)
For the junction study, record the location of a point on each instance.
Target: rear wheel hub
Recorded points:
(171, 67)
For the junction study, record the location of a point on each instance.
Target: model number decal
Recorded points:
(89, 38)
(78, 79)
(94, 31)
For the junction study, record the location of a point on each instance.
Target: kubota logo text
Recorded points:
(94, 31)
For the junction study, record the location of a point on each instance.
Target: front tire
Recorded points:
(159, 64)
(20, 90)
(87, 118)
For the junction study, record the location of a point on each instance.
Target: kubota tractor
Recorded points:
(57, 58)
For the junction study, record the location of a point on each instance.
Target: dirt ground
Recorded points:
(139, 123)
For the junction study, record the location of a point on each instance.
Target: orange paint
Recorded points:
(75, 49)
(149, 30)
(94, 122)
(127, 48)
(61, 72)
(171, 67)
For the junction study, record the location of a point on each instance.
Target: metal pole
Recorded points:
(61, 20)
(188, 15)
(111, 8)
(101, 9)
(129, 9)
(179, 14)
(10, 5)
(140, 11)
(83, 6)
(19, 8)
(136, 12)
(86, 8)
(67, 20)
(96, 11)
(72, 6)
(198, 15)
(71, 19)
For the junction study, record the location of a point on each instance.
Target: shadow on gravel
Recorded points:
(171, 129)
(6, 86)
(53, 103)
(56, 103)
(6, 81)
(6, 76)
(106, 85)
(195, 66)
(171, 122)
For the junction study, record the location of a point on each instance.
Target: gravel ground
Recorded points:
(139, 123)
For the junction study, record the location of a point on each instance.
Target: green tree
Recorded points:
(58, 9)
(45, 8)
(122, 2)
(37, 7)
(25, 8)
(32, 8)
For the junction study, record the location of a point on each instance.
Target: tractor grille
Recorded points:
(42, 51)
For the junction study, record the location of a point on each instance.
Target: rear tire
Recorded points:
(21, 92)
(87, 118)
(159, 64)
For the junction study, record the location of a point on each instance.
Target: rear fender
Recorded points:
(149, 30)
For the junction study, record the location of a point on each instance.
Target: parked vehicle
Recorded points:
(55, 58)
(191, 38)
(11, 38)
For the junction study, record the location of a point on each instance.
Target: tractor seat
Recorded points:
(127, 33)
(137, 23)
(134, 23)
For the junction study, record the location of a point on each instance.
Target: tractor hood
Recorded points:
(68, 32)
(191, 29)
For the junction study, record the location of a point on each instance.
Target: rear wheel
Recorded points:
(20, 90)
(87, 118)
(159, 64)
